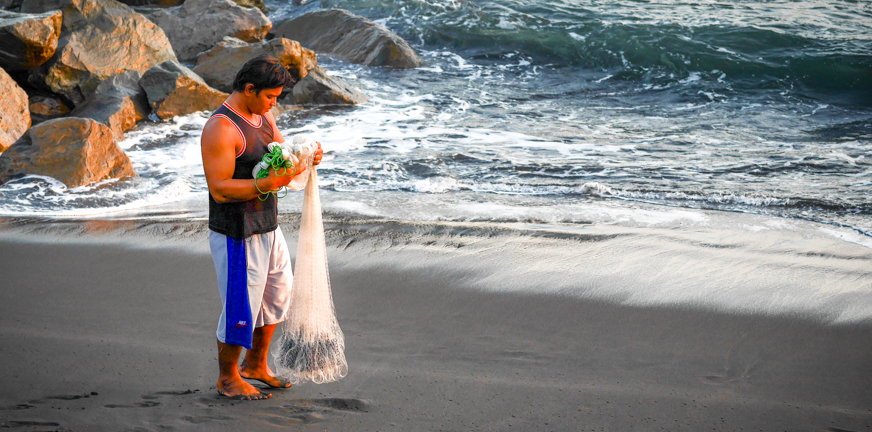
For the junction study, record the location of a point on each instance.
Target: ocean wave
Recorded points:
(653, 44)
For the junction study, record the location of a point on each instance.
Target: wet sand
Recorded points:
(110, 326)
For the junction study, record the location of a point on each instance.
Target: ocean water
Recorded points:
(554, 111)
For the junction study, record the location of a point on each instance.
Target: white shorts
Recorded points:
(254, 279)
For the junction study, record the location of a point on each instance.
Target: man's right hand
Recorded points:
(275, 181)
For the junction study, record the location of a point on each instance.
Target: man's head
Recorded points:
(260, 81)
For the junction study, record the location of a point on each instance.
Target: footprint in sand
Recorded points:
(304, 411)
(741, 359)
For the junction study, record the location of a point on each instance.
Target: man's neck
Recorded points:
(238, 104)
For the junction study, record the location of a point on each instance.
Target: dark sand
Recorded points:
(105, 332)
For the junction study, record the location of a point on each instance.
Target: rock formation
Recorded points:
(219, 65)
(317, 88)
(119, 102)
(198, 25)
(354, 38)
(251, 3)
(46, 107)
(14, 111)
(99, 38)
(152, 3)
(10, 4)
(174, 90)
(73, 150)
(28, 40)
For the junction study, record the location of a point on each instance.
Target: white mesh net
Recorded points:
(303, 149)
(311, 346)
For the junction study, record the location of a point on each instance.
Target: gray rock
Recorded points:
(280, 109)
(29, 40)
(198, 25)
(75, 151)
(174, 90)
(219, 66)
(46, 107)
(41, 6)
(317, 88)
(251, 4)
(119, 102)
(351, 37)
(14, 111)
(155, 3)
(99, 39)
(10, 4)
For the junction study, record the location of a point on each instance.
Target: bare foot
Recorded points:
(263, 375)
(240, 390)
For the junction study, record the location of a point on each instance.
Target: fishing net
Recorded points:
(311, 346)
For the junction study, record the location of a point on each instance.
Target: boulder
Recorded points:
(280, 109)
(152, 3)
(100, 38)
(251, 4)
(174, 90)
(41, 6)
(148, 6)
(198, 25)
(219, 65)
(317, 88)
(73, 150)
(10, 4)
(119, 102)
(14, 111)
(46, 107)
(29, 40)
(351, 37)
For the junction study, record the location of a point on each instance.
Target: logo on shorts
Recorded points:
(241, 324)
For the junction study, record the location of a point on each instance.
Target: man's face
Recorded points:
(263, 101)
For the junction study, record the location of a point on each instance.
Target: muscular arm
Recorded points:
(219, 143)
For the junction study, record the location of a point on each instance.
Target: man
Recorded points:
(248, 247)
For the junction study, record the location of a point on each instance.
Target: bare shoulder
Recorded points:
(220, 131)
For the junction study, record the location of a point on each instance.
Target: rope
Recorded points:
(278, 158)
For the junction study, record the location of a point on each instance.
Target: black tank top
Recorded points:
(246, 218)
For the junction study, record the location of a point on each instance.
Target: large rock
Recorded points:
(317, 88)
(14, 111)
(10, 4)
(219, 65)
(174, 90)
(73, 150)
(46, 107)
(280, 109)
(354, 38)
(100, 38)
(119, 102)
(28, 40)
(152, 3)
(251, 3)
(198, 25)
(148, 5)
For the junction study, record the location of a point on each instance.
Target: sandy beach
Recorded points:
(109, 325)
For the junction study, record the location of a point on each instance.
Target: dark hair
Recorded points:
(264, 72)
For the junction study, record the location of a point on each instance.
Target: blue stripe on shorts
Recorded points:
(239, 326)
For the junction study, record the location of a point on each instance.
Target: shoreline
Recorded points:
(444, 331)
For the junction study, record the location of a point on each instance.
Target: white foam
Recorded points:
(848, 236)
